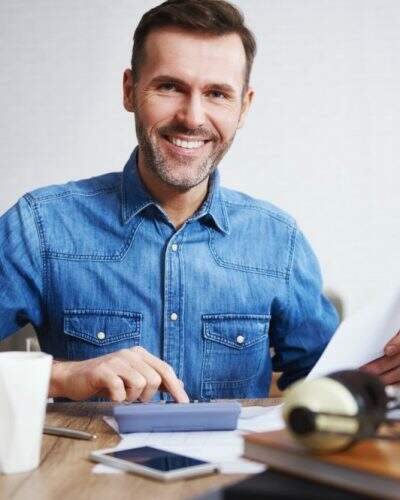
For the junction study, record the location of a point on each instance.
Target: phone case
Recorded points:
(160, 417)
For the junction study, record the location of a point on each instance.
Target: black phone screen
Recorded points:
(156, 459)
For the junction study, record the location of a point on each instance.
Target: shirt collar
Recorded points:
(136, 198)
(214, 207)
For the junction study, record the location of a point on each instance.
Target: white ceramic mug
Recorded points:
(24, 385)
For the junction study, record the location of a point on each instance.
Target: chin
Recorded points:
(182, 184)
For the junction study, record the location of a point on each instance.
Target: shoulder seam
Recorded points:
(293, 240)
(280, 218)
(39, 229)
(66, 194)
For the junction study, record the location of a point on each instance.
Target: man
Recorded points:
(158, 279)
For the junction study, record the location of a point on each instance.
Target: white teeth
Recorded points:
(186, 144)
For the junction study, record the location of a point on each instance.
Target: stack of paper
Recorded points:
(224, 448)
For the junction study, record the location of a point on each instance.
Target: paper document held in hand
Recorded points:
(361, 337)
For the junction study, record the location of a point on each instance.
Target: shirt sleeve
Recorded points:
(301, 326)
(21, 276)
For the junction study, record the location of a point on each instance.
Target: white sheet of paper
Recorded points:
(222, 447)
(262, 419)
(361, 337)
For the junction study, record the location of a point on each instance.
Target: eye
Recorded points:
(216, 94)
(168, 87)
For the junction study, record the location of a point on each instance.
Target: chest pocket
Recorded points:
(96, 332)
(235, 354)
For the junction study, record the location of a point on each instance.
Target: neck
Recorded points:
(179, 205)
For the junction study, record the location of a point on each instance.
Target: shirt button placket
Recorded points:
(173, 292)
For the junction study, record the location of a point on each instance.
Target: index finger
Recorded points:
(393, 346)
(169, 379)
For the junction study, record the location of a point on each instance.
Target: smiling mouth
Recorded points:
(186, 143)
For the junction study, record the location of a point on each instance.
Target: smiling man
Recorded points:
(158, 282)
(189, 94)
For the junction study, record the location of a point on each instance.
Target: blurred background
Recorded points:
(320, 141)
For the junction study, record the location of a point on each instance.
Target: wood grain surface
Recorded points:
(65, 469)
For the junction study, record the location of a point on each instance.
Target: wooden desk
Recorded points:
(65, 470)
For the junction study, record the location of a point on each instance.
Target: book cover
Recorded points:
(369, 467)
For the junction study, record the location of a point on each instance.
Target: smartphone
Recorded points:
(154, 462)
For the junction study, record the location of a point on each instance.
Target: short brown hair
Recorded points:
(215, 17)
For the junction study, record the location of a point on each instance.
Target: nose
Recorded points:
(191, 113)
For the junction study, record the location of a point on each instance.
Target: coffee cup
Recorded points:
(24, 384)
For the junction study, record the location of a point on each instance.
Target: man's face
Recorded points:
(188, 103)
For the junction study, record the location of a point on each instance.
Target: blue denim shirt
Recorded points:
(96, 266)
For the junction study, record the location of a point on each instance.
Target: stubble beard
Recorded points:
(163, 167)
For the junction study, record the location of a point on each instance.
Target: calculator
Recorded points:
(161, 417)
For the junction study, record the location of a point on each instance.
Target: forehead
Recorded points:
(194, 57)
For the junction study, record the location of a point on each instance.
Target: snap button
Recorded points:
(101, 335)
(174, 247)
(240, 339)
(174, 316)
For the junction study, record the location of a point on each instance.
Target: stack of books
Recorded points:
(370, 467)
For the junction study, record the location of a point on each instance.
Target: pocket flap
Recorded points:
(101, 327)
(236, 330)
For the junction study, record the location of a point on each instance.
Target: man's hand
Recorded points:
(125, 375)
(387, 366)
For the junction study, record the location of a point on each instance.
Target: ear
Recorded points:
(246, 101)
(128, 87)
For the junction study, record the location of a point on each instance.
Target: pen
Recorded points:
(65, 432)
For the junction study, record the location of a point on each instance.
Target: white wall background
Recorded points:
(321, 140)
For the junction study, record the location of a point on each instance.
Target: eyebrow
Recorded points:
(223, 87)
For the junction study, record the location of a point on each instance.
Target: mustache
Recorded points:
(200, 132)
